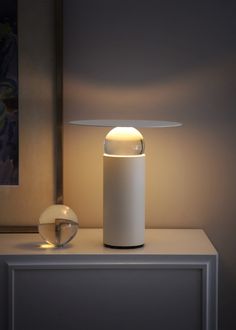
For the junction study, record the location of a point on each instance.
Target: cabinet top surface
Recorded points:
(90, 241)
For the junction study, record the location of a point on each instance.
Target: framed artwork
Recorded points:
(30, 147)
(9, 146)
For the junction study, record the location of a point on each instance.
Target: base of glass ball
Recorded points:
(58, 233)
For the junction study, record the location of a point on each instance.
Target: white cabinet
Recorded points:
(170, 283)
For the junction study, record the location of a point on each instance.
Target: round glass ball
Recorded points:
(58, 225)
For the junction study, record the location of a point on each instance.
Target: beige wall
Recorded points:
(22, 205)
(189, 169)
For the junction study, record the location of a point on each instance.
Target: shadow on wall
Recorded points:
(193, 96)
(149, 59)
(135, 42)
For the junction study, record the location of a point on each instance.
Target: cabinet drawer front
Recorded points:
(103, 296)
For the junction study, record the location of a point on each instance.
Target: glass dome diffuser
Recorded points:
(124, 141)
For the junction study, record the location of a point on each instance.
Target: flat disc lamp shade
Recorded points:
(124, 180)
(126, 123)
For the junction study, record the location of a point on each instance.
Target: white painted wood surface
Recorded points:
(90, 241)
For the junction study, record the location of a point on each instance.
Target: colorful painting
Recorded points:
(9, 154)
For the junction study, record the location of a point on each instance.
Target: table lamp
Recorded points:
(124, 180)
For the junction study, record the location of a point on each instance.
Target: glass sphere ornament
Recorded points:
(58, 224)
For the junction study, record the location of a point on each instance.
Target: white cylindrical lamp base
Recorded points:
(124, 200)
